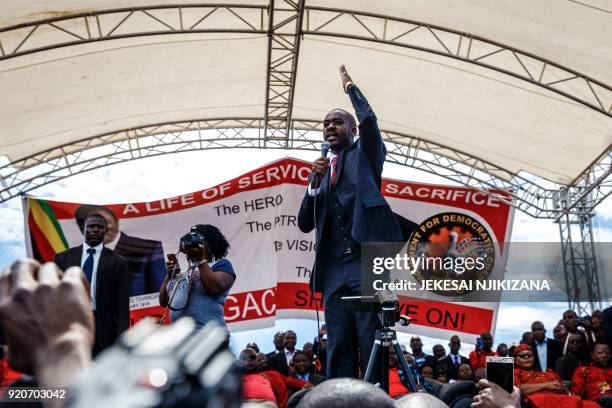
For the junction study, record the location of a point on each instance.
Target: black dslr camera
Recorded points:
(385, 303)
(193, 238)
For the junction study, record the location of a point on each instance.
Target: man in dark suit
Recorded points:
(546, 351)
(450, 363)
(350, 210)
(280, 361)
(108, 278)
(145, 257)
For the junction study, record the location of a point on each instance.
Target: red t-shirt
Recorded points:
(257, 387)
(396, 387)
(280, 385)
(7, 374)
(478, 359)
(592, 382)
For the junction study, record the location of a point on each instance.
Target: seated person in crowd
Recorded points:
(282, 386)
(465, 373)
(417, 352)
(303, 369)
(595, 381)
(427, 370)
(539, 389)
(502, 350)
(478, 357)
(397, 388)
(560, 333)
(280, 361)
(438, 351)
(576, 356)
(255, 387)
(450, 363)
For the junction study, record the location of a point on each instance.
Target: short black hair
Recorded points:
(94, 215)
(349, 116)
(83, 211)
(300, 352)
(216, 240)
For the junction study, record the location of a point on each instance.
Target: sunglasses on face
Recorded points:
(249, 358)
(525, 355)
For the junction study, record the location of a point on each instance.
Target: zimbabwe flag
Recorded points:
(45, 234)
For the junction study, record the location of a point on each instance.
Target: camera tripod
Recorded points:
(385, 338)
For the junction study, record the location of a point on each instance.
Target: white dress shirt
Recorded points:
(541, 350)
(94, 273)
(289, 356)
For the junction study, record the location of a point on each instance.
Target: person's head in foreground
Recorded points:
(419, 400)
(346, 393)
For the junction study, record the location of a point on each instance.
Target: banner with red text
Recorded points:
(257, 212)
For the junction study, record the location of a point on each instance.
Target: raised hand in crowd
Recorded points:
(492, 395)
(47, 321)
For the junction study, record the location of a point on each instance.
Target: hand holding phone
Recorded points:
(500, 370)
(172, 265)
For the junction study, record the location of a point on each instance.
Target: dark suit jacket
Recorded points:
(112, 296)
(146, 263)
(358, 183)
(447, 364)
(554, 350)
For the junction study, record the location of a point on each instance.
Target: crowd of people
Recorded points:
(570, 369)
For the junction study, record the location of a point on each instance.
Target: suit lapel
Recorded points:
(74, 257)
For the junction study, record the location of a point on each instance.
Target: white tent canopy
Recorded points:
(524, 85)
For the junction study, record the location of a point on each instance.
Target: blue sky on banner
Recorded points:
(176, 174)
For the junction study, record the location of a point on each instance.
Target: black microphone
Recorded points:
(324, 149)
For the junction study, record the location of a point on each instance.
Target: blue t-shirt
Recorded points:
(202, 307)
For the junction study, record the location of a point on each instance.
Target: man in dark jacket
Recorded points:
(546, 351)
(107, 275)
(350, 210)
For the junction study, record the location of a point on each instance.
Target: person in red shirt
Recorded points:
(595, 381)
(478, 357)
(255, 387)
(281, 385)
(396, 386)
(541, 389)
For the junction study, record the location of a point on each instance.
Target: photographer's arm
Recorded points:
(215, 283)
(171, 267)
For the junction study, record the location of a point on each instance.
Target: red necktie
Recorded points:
(333, 162)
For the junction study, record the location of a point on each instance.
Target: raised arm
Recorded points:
(369, 133)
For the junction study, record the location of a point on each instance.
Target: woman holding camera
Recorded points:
(200, 291)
